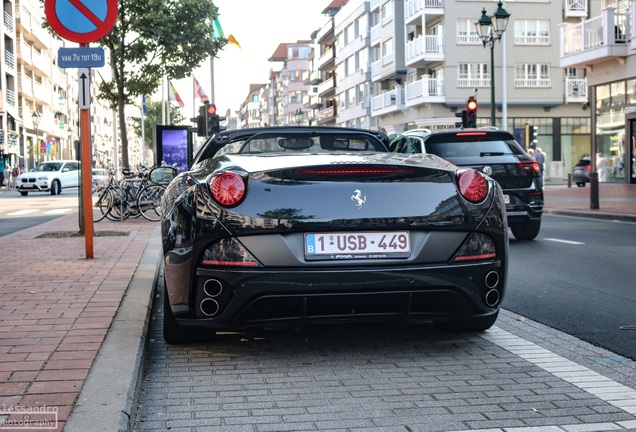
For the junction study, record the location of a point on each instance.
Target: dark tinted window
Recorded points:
(471, 144)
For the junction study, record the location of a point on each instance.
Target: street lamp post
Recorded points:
(490, 30)
(36, 117)
(298, 115)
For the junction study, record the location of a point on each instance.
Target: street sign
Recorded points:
(81, 22)
(84, 78)
(82, 57)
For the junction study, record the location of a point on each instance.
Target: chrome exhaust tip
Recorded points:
(209, 307)
(212, 288)
(492, 279)
(492, 297)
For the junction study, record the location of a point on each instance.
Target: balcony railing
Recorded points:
(533, 82)
(388, 101)
(576, 90)
(532, 40)
(8, 21)
(424, 90)
(425, 47)
(9, 59)
(608, 29)
(575, 8)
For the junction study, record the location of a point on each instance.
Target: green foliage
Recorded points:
(157, 38)
(154, 117)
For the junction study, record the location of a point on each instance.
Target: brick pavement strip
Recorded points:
(56, 307)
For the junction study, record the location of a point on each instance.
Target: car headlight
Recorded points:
(43, 178)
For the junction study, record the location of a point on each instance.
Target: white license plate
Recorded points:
(358, 245)
(507, 199)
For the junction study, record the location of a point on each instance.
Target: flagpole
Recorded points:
(168, 106)
(143, 131)
(212, 98)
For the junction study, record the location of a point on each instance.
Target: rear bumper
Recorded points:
(299, 297)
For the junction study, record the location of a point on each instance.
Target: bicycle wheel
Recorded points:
(149, 202)
(119, 209)
(104, 204)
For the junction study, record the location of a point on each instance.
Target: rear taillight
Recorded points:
(473, 186)
(531, 166)
(464, 134)
(477, 247)
(227, 189)
(587, 168)
(228, 252)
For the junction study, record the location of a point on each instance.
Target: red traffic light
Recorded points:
(211, 109)
(471, 105)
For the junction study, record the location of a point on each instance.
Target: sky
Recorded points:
(259, 26)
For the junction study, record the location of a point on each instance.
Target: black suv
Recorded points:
(494, 153)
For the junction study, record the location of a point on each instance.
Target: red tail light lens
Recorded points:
(587, 168)
(473, 186)
(227, 189)
(478, 247)
(353, 171)
(228, 252)
(530, 166)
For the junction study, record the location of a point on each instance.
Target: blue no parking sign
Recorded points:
(79, 22)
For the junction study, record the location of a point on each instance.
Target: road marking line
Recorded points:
(608, 390)
(58, 211)
(564, 241)
(23, 212)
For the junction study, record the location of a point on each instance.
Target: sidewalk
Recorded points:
(72, 330)
(57, 308)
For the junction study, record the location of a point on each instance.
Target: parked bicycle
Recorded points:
(134, 196)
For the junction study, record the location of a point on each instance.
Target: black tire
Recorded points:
(56, 187)
(580, 184)
(526, 230)
(104, 204)
(468, 325)
(173, 333)
(23, 193)
(149, 202)
(118, 210)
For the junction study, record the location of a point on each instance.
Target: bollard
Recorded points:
(594, 205)
(569, 180)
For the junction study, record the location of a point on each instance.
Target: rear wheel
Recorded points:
(173, 333)
(580, 184)
(526, 230)
(468, 325)
(56, 187)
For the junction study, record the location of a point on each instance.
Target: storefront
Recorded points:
(615, 131)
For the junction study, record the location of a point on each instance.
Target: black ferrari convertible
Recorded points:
(291, 226)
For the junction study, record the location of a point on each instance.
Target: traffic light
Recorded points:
(464, 115)
(531, 136)
(212, 119)
(471, 108)
(201, 121)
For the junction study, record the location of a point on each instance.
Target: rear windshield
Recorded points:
(469, 146)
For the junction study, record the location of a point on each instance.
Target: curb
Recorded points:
(621, 217)
(107, 400)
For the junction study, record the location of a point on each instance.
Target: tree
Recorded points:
(151, 40)
(154, 117)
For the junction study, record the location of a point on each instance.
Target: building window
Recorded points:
(295, 76)
(532, 32)
(473, 75)
(466, 32)
(387, 48)
(298, 52)
(532, 75)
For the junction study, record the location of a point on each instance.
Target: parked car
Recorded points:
(100, 178)
(51, 176)
(291, 226)
(496, 154)
(581, 171)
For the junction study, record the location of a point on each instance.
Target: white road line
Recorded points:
(58, 211)
(23, 212)
(564, 241)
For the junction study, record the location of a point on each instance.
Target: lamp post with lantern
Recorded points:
(490, 30)
(299, 116)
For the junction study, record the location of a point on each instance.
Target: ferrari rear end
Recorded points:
(293, 240)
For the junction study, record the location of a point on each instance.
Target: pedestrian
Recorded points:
(15, 173)
(530, 153)
(539, 156)
(6, 176)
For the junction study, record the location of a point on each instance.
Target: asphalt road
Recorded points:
(578, 276)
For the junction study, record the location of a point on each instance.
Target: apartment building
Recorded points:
(598, 36)
(395, 65)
